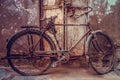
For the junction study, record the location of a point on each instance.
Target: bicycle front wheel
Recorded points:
(101, 52)
(23, 52)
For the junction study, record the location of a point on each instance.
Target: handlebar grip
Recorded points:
(88, 7)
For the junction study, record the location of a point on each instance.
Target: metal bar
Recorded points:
(64, 29)
(50, 7)
(64, 25)
(41, 16)
(71, 24)
(27, 56)
(54, 51)
(40, 12)
(86, 28)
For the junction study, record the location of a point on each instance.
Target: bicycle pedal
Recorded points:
(54, 65)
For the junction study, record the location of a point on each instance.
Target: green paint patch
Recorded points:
(112, 2)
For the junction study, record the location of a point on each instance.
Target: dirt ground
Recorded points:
(64, 72)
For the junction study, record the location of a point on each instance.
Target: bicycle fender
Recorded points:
(90, 38)
(20, 32)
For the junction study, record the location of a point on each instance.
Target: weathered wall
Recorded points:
(13, 14)
(106, 16)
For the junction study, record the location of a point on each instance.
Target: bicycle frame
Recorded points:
(88, 33)
(72, 47)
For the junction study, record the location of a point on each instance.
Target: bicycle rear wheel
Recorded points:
(23, 52)
(101, 52)
(117, 64)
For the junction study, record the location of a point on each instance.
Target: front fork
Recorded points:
(89, 39)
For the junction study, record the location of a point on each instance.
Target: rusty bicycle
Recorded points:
(32, 51)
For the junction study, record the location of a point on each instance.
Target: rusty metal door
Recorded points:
(72, 33)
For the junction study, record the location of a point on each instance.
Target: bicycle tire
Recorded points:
(101, 46)
(117, 63)
(117, 69)
(15, 66)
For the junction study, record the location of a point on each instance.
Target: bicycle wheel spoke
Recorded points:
(20, 46)
(101, 53)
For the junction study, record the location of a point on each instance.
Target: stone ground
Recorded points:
(69, 71)
(60, 73)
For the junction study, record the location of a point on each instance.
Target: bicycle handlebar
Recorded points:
(88, 8)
